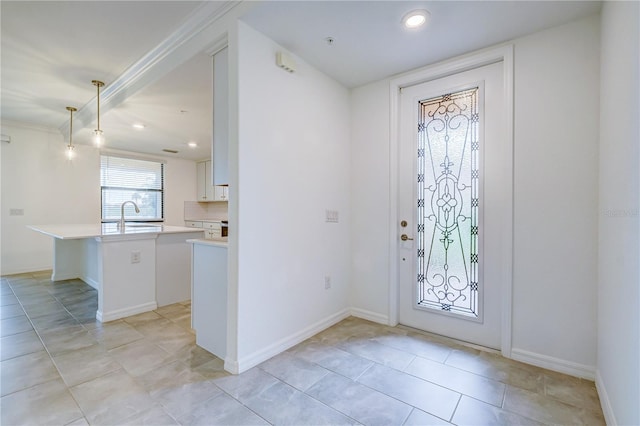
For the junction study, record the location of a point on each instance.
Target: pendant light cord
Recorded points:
(98, 96)
(98, 85)
(71, 110)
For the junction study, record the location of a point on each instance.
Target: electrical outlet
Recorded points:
(135, 256)
(331, 216)
(327, 282)
(16, 212)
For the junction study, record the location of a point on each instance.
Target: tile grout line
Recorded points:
(238, 401)
(409, 416)
(453, 413)
(428, 381)
(532, 398)
(355, 381)
(68, 389)
(310, 396)
(84, 416)
(51, 358)
(420, 378)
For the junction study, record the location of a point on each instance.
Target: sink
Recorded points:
(113, 228)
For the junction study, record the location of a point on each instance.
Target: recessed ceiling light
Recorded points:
(138, 126)
(416, 18)
(192, 145)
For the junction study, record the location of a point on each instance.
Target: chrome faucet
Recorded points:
(121, 223)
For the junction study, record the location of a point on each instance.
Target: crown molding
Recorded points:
(29, 126)
(198, 33)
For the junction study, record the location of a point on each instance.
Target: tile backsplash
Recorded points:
(200, 211)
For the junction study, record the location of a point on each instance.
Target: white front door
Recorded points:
(453, 175)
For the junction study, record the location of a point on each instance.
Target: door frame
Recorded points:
(504, 54)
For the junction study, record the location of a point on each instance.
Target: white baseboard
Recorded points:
(126, 312)
(231, 366)
(251, 360)
(93, 283)
(57, 276)
(370, 316)
(605, 402)
(31, 269)
(555, 364)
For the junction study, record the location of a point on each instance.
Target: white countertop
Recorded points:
(78, 231)
(217, 242)
(207, 220)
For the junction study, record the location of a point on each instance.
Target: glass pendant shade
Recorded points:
(98, 137)
(70, 152)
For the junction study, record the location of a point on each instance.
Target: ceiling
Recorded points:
(370, 43)
(51, 51)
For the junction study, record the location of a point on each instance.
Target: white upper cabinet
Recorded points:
(220, 145)
(221, 193)
(213, 175)
(205, 191)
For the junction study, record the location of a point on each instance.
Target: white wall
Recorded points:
(618, 257)
(555, 212)
(38, 178)
(293, 150)
(555, 192)
(370, 201)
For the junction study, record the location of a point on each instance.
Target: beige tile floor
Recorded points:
(59, 366)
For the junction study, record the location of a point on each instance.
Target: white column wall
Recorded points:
(294, 156)
(370, 201)
(555, 214)
(618, 376)
(556, 194)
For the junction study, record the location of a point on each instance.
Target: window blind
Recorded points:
(127, 179)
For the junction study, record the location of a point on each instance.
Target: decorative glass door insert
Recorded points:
(448, 204)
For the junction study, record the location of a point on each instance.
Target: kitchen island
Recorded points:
(135, 269)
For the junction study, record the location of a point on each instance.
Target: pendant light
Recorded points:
(70, 153)
(98, 137)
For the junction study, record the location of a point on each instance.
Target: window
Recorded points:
(127, 179)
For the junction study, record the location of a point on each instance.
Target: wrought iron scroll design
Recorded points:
(448, 203)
